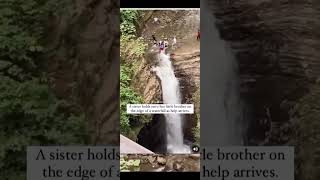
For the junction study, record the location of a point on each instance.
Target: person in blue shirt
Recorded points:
(161, 46)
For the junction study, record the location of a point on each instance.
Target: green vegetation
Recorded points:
(127, 165)
(132, 50)
(29, 113)
(128, 22)
(305, 133)
(127, 96)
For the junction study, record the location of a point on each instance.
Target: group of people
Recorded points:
(164, 44)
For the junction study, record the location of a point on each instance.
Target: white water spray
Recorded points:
(222, 106)
(171, 95)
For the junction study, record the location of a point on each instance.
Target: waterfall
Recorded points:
(220, 96)
(171, 95)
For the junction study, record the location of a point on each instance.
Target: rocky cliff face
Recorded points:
(84, 64)
(276, 45)
(186, 55)
(145, 82)
(187, 69)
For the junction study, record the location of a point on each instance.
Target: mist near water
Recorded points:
(171, 95)
(221, 108)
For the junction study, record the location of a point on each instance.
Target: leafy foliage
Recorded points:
(127, 96)
(127, 165)
(132, 50)
(29, 113)
(128, 20)
(305, 133)
(22, 27)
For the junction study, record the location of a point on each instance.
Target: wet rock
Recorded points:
(283, 75)
(195, 156)
(151, 159)
(177, 166)
(153, 135)
(161, 160)
(160, 169)
(87, 60)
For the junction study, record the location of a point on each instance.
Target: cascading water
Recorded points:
(171, 95)
(221, 106)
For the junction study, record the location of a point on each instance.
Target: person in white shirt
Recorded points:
(155, 20)
(174, 42)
